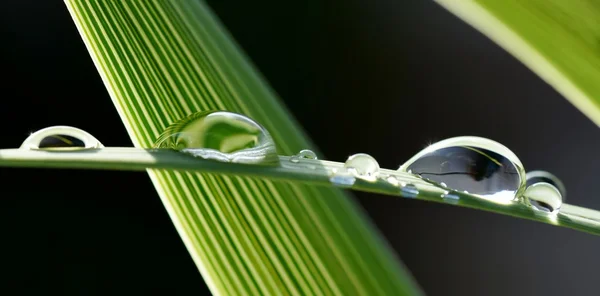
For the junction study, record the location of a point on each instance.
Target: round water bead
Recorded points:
(307, 154)
(544, 197)
(362, 166)
(534, 177)
(303, 154)
(480, 166)
(222, 136)
(61, 138)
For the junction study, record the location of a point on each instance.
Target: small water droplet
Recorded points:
(444, 194)
(342, 180)
(534, 177)
(222, 136)
(363, 166)
(61, 138)
(483, 167)
(303, 154)
(409, 190)
(450, 197)
(392, 180)
(307, 154)
(544, 197)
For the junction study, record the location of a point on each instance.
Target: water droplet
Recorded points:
(307, 154)
(303, 154)
(543, 197)
(481, 166)
(409, 190)
(393, 180)
(534, 177)
(363, 166)
(450, 197)
(342, 180)
(222, 136)
(61, 138)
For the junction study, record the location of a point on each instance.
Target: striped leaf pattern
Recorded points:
(163, 60)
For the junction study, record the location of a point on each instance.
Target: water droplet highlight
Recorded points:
(222, 136)
(544, 197)
(363, 166)
(483, 167)
(61, 138)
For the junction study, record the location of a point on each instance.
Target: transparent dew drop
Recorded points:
(450, 197)
(393, 180)
(409, 190)
(303, 154)
(222, 136)
(342, 180)
(534, 177)
(544, 197)
(307, 154)
(483, 167)
(61, 138)
(363, 166)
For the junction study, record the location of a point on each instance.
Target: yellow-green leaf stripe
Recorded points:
(164, 60)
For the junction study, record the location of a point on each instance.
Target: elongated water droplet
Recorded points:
(362, 166)
(60, 138)
(544, 197)
(409, 190)
(222, 136)
(450, 197)
(480, 166)
(342, 179)
(534, 177)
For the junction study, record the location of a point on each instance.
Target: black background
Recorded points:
(382, 77)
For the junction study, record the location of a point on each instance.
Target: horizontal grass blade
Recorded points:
(164, 60)
(310, 172)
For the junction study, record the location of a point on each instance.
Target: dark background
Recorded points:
(382, 77)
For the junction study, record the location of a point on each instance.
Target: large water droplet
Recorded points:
(61, 138)
(222, 136)
(544, 197)
(478, 165)
(363, 166)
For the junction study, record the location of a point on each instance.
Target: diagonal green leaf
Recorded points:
(163, 60)
(559, 40)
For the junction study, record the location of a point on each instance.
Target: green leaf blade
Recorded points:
(162, 61)
(558, 40)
